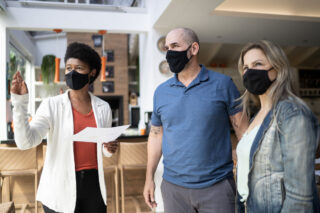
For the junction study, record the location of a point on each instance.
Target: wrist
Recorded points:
(149, 177)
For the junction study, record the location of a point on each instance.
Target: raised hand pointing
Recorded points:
(18, 85)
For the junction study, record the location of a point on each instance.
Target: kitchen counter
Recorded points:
(123, 138)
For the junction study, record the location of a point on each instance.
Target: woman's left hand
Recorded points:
(111, 146)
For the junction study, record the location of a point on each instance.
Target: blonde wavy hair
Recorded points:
(284, 85)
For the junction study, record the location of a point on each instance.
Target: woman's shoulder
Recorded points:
(292, 106)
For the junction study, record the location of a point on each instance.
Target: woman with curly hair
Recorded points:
(72, 179)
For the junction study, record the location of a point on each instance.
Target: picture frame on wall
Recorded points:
(109, 71)
(97, 40)
(161, 44)
(108, 87)
(109, 54)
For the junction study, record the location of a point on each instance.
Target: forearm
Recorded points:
(239, 123)
(154, 155)
(26, 136)
(154, 151)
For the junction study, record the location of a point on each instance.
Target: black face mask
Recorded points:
(177, 60)
(257, 81)
(75, 80)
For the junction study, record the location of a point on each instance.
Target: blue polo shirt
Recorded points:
(196, 143)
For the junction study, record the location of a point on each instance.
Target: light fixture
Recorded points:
(103, 58)
(57, 60)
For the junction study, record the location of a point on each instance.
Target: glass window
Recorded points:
(17, 62)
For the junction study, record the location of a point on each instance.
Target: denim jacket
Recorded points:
(281, 176)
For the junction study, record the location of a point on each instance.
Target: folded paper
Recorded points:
(99, 135)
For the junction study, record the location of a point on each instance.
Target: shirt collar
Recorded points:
(202, 76)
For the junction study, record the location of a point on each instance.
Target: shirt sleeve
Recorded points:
(298, 138)
(156, 117)
(28, 135)
(233, 104)
(109, 124)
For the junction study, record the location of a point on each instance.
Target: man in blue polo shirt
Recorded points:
(191, 128)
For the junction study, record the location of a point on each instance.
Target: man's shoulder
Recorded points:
(219, 80)
(214, 75)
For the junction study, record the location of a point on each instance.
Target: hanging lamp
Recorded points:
(57, 60)
(103, 58)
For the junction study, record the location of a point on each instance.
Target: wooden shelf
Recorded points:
(40, 83)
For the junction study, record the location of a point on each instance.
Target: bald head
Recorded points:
(187, 35)
(185, 43)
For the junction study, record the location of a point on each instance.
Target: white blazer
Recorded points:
(54, 120)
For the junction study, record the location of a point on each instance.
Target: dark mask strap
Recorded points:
(188, 49)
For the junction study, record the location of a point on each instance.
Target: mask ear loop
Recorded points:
(189, 49)
(270, 70)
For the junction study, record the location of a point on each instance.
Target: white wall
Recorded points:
(4, 56)
(72, 20)
(24, 43)
(51, 45)
(156, 8)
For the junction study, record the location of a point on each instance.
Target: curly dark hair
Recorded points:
(86, 54)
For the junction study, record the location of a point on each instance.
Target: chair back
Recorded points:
(44, 152)
(133, 153)
(12, 158)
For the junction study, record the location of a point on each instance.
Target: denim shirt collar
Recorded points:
(257, 140)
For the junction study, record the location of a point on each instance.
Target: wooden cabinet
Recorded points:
(309, 81)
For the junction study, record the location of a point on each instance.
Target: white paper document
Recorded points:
(99, 135)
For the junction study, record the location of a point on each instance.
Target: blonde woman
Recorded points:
(276, 154)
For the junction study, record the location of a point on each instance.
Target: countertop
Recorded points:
(121, 138)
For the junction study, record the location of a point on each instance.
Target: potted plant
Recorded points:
(48, 68)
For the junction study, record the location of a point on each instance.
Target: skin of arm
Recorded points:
(154, 155)
(240, 124)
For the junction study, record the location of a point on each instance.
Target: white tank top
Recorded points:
(243, 156)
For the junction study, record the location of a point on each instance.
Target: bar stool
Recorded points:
(132, 156)
(44, 152)
(16, 162)
(110, 165)
(7, 207)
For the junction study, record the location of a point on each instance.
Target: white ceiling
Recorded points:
(299, 8)
(232, 23)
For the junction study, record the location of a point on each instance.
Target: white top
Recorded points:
(243, 156)
(54, 120)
